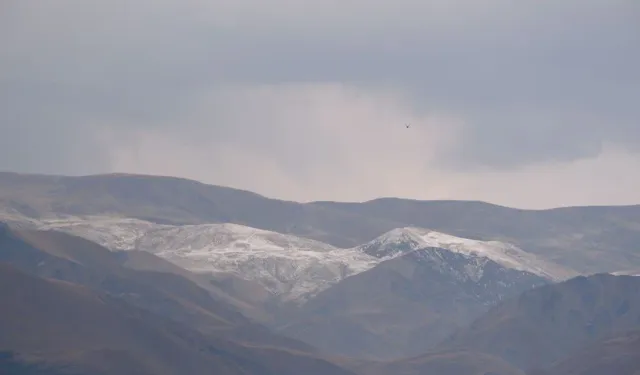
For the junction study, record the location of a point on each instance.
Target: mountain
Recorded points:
(549, 323)
(402, 240)
(265, 278)
(447, 286)
(288, 267)
(170, 200)
(627, 273)
(73, 259)
(405, 305)
(614, 355)
(61, 324)
(461, 281)
(586, 239)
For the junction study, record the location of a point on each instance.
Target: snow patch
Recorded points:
(290, 267)
(626, 273)
(402, 240)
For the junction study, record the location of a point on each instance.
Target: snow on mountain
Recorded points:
(114, 233)
(290, 267)
(626, 273)
(403, 240)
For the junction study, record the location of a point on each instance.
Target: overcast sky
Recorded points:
(528, 103)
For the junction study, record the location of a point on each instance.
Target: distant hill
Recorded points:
(169, 200)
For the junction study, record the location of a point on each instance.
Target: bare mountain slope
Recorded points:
(74, 259)
(548, 323)
(619, 355)
(67, 324)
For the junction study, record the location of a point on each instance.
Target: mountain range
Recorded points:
(573, 236)
(389, 286)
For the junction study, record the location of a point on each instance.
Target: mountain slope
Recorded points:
(550, 322)
(615, 355)
(64, 323)
(405, 305)
(77, 260)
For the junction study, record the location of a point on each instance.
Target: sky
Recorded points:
(529, 103)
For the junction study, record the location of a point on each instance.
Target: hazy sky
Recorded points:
(528, 103)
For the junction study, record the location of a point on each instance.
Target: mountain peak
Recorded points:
(406, 239)
(395, 242)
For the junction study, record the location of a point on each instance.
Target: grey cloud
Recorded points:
(537, 81)
(42, 133)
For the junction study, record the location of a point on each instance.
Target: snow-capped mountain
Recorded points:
(290, 267)
(406, 304)
(626, 273)
(402, 240)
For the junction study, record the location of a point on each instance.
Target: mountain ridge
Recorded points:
(552, 234)
(289, 267)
